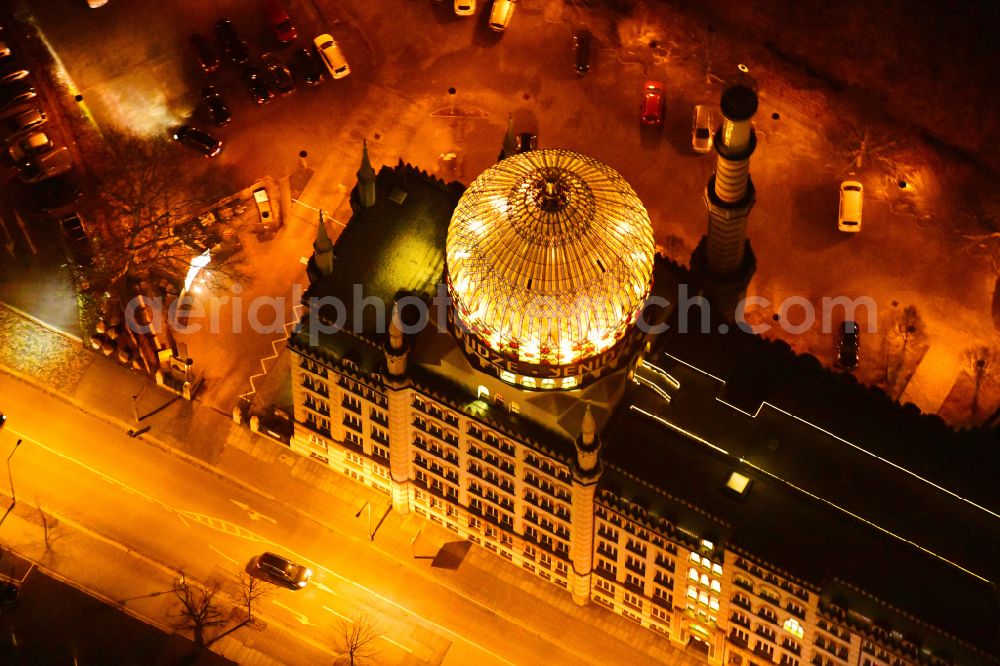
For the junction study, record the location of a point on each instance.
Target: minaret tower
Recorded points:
(724, 261)
(322, 250)
(366, 179)
(397, 351)
(586, 472)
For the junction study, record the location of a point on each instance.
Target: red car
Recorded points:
(281, 22)
(652, 103)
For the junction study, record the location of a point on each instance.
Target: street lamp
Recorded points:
(10, 477)
(367, 505)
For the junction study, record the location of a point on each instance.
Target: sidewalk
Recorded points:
(323, 497)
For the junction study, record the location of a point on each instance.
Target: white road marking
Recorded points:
(223, 554)
(254, 515)
(323, 587)
(399, 645)
(10, 241)
(24, 230)
(342, 617)
(186, 523)
(301, 617)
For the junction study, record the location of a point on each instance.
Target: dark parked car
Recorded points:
(207, 58)
(848, 345)
(256, 82)
(3, 419)
(280, 22)
(281, 571)
(29, 145)
(307, 65)
(234, 47)
(526, 141)
(20, 123)
(77, 241)
(281, 77)
(9, 593)
(581, 44)
(217, 108)
(11, 71)
(203, 142)
(14, 94)
(55, 195)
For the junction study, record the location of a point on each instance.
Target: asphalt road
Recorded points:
(165, 515)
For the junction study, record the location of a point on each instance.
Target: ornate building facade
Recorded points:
(514, 390)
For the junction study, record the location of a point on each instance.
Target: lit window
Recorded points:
(548, 383)
(716, 586)
(529, 382)
(515, 408)
(483, 392)
(692, 592)
(717, 569)
(738, 483)
(693, 574)
(695, 557)
(704, 579)
(707, 545)
(793, 627)
(703, 599)
(568, 382)
(508, 377)
(713, 603)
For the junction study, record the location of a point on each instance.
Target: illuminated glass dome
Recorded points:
(550, 257)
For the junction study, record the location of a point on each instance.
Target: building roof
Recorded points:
(550, 255)
(818, 507)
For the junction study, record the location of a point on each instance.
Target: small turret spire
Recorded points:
(509, 140)
(589, 427)
(323, 249)
(366, 179)
(395, 330)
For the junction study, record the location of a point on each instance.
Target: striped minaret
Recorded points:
(586, 473)
(730, 193)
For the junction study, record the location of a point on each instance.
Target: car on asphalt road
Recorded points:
(851, 200)
(217, 108)
(10, 71)
(206, 56)
(282, 571)
(203, 142)
(280, 21)
(15, 94)
(281, 78)
(465, 7)
(306, 64)
(257, 85)
(582, 40)
(77, 242)
(331, 55)
(701, 130)
(526, 141)
(848, 344)
(27, 119)
(3, 419)
(234, 47)
(651, 111)
(501, 13)
(29, 145)
(4, 50)
(45, 166)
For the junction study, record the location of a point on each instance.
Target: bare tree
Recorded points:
(355, 639)
(149, 222)
(979, 362)
(908, 326)
(199, 610)
(252, 589)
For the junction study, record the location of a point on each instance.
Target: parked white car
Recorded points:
(329, 51)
